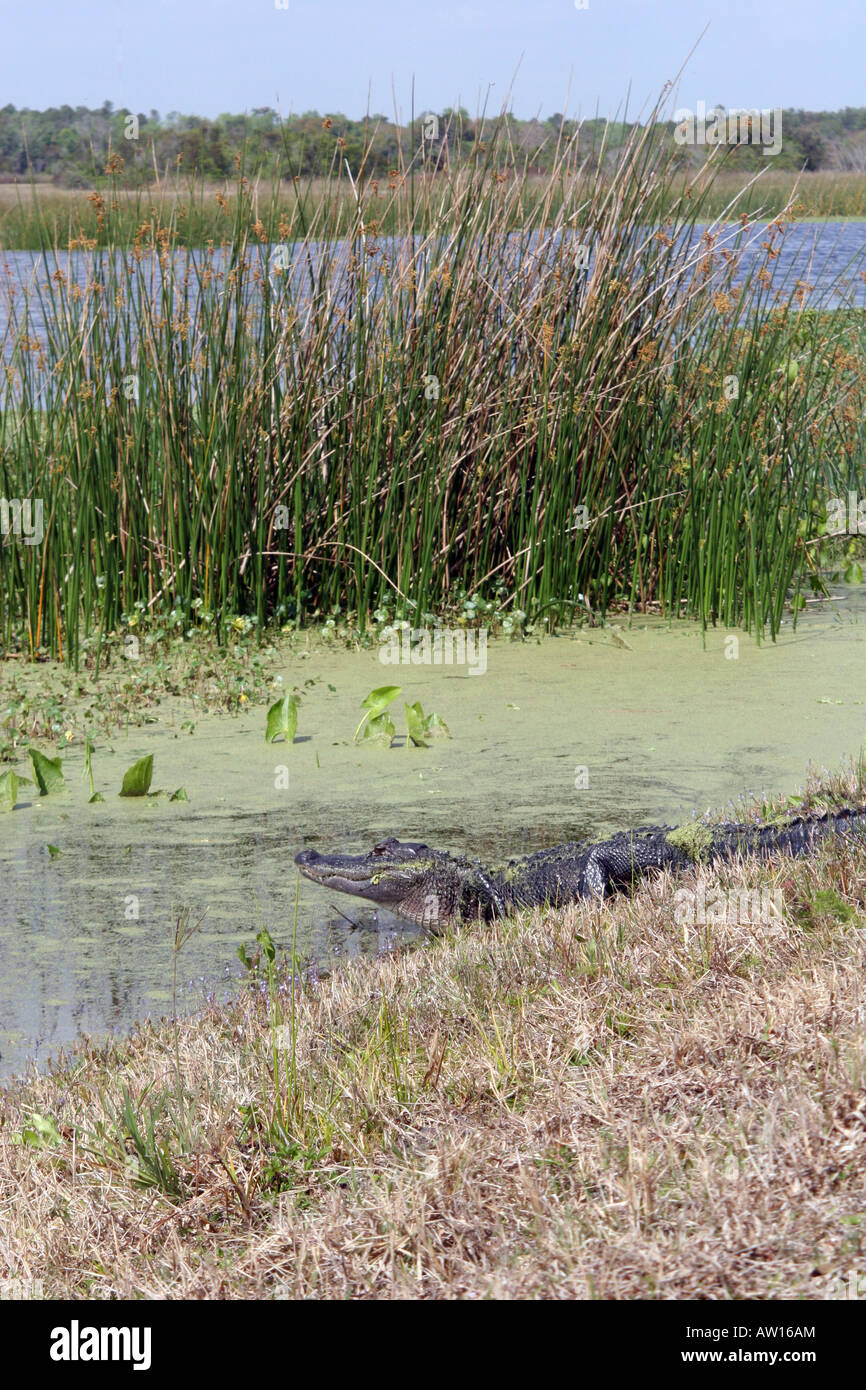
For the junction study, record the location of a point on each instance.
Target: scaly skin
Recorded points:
(434, 889)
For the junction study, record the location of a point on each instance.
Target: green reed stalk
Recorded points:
(396, 419)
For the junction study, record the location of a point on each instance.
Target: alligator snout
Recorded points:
(307, 856)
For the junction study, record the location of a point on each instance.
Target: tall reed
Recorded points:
(266, 432)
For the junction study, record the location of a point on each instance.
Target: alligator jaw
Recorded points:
(341, 873)
(327, 877)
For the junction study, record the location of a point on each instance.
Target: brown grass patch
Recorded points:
(600, 1103)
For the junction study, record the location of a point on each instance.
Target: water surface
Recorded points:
(666, 726)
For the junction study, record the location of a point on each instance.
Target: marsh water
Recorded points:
(666, 722)
(826, 258)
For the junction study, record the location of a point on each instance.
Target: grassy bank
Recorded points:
(606, 1104)
(473, 408)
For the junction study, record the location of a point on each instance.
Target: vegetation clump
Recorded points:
(694, 837)
(598, 396)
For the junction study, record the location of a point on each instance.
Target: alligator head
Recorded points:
(422, 884)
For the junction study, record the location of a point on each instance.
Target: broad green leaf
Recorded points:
(137, 779)
(282, 719)
(415, 725)
(380, 698)
(8, 791)
(179, 795)
(265, 940)
(854, 573)
(377, 702)
(47, 771)
(97, 796)
(244, 957)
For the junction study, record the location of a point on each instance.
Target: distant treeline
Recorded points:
(73, 147)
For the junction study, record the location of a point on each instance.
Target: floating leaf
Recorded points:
(137, 779)
(97, 796)
(376, 703)
(47, 771)
(54, 851)
(8, 791)
(282, 719)
(179, 795)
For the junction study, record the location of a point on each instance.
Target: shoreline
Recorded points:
(569, 1105)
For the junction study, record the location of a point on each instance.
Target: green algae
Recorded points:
(694, 837)
(566, 738)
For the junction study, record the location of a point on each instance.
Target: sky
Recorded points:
(539, 57)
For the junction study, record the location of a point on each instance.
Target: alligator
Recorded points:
(436, 890)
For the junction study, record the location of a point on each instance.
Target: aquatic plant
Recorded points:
(377, 723)
(585, 395)
(137, 779)
(282, 719)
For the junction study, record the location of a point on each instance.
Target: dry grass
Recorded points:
(597, 1103)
